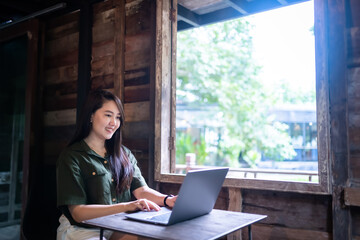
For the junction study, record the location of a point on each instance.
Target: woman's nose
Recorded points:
(113, 121)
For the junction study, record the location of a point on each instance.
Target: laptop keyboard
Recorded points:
(161, 217)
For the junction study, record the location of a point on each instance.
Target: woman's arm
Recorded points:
(147, 193)
(85, 212)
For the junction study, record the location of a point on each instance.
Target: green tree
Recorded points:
(214, 65)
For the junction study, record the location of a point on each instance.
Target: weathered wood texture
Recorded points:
(121, 63)
(59, 83)
(351, 192)
(290, 215)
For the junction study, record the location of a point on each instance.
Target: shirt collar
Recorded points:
(82, 146)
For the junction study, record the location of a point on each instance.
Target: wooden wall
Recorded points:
(353, 95)
(123, 61)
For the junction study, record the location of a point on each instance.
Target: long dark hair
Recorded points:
(120, 165)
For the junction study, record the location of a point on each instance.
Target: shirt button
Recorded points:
(105, 162)
(114, 199)
(94, 173)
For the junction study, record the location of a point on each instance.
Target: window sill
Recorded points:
(259, 184)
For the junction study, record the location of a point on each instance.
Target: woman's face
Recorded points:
(105, 121)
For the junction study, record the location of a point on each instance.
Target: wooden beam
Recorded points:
(235, 5)
(235, 204)
(187, 16)
(84, 59)
(337, 77)
(119, 39)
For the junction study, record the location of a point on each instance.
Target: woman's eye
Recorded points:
(108, 115)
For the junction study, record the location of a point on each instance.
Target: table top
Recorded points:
(210, 226)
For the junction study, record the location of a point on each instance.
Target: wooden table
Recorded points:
(214, 225)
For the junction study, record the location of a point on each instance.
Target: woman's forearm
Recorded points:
(151, 194)
(85, 212)
(154, 196)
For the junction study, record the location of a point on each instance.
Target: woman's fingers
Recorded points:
(146, 205)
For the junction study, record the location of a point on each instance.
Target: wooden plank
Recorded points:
(63, 20)
(60, 118)
(61, 89)
(352, 196)
(103, 32)
(58, 46)
(137, 93)
(355, 219)
(62, 30)
(119, 56)
(353, 35)
(102, 49)
(290, 210)
(337, 77)
(103, 81)
(135, 130)
(353, 111)
(137, 77)
(61, 74)
(137, 60)
(103, 6)
(354, 13)
(60, 133)
(136, 112)
(137, 73)
(54, 103)
(138, 42)
(137, 15)
(137, 146)
(102, 66)
(262, 231)
(66, 59)
(85, 48)
(162, 93)
(235, 204)
(354, 162)
(103, 16)
(354, 140)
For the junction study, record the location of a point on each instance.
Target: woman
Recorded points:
(96, 174)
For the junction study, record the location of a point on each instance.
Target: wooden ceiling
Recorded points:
(194, 13)
(191, 13)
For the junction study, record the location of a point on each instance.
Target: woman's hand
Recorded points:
(143, 205)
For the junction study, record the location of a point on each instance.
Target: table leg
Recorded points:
(250, 234)
(101, 233)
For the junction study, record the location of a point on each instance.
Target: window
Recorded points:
(202, 123)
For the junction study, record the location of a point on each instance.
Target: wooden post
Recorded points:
(119, 40)
(84, 64)
(337, 75)
(235, 204)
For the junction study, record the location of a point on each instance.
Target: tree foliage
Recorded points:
(215, 65)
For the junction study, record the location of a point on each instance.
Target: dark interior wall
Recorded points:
(353, 99)
(124, 70)
(290, 215)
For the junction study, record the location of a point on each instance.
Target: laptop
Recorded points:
(197, 197)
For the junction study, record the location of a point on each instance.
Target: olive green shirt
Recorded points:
(84, 177)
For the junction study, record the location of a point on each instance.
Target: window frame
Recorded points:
(165, 106)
